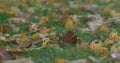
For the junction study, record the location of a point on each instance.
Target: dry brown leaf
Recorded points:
(117, 38)
(92, 8)
(69, 38)
(109, 41)
(4, 54)
(4, 28)
(83, 45)
(94, 24)
(23, 37)
(115, 53)
(53, 37)
(17, 50)
(2, 4)
(52, 1)
(22, 40)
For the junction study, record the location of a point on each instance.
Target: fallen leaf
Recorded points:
(106, 11)
(53, 37)
(60, 60)
(115, 53)
(78, 61)
(69, 38)
(2, 38)
(22, 60)
(35, 36)
(2, 4)
(23, 37)
(69, 24)
(103, 28)
(45, 30)
(33, 27)
(91, 8)
(17, 20)
(45, 43)
(96, 60)
(113, 34)
(98, 48)
(4, 28)
(4, 54)
(94, 24)
(117, 38)
(109, 41)
(115, 13)
(43, 20)
(83, 45)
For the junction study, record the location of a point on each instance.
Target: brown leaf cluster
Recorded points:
(69, 38)
(4, 28)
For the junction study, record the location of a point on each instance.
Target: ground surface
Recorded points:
(60, 31)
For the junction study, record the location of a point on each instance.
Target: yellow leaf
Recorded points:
(14, 50)
(34, 36)
(2, 38)
(93, 44)
(69, 24)
(23, 37)
(43, 20)
(45, 43)
(104, 51)
(109, 41)
(7, 47)
(95, 47)
(53, 37)
(45, 30)
(115, 13)
(106, 11)
(104, 28)
(60, 60)
(113, 34)
(98, 48)
(114, 47)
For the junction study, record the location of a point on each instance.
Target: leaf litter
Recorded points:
(41, 35)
